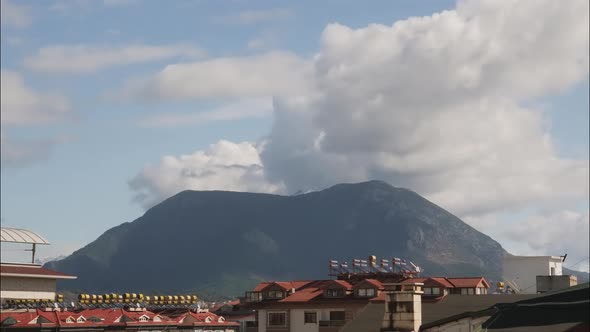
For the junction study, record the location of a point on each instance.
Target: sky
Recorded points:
(109, 107)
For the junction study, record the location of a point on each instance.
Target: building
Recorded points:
(235, 311)
(436, 287)
(101, 319)
(564, 310)
(23, 281)
(360, 298)
(314, 305)
(520, 272)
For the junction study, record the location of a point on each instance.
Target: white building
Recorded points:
(21, 281)
(522, 271)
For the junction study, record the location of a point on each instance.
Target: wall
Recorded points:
(27, 288)
(551, 283)
(524, 270)
(296, 318)
(466, 324)
(298, 321)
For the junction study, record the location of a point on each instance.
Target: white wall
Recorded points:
(298, 321)
(261, 320)
(27, 288)
(524, 270)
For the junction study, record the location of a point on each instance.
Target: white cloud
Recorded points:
(21, 105)
(224, 165)
(548, 233)
(273, 73)
(119, 3)
(14, 15)
(243, 109)
(434, 104)
(22, 153)
(91, 58)
(258, 16)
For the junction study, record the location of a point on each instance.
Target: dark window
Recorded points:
(335, 292)
(277, 319)
(337, 315)
(311, 317)
(274, 295)
(370, 292)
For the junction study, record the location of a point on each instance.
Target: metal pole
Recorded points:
(33, 256)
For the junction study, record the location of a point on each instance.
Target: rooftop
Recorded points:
(19, 235)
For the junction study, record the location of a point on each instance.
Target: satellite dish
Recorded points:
(72, 304)
(138, 305)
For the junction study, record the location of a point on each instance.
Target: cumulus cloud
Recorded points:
(435, 104)
(248, 108)
(21, 105)
(223, 166)
(554, 233)
(273, 73)
(77, 59)
(14, 15)
(257, 16)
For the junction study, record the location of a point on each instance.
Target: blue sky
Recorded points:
(69, 176)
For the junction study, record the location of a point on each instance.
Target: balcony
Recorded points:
(331, 323)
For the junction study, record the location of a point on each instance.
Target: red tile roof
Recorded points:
(466, 282)
(440, 281)
(303, 295)
(33, 271)
(470, 282)
(340, 283)
(108, 317)
(372, 282)
(285, 285)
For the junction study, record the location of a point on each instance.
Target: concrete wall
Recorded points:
(524, 270)
(298, 320)
(27, 288)
(551, 283)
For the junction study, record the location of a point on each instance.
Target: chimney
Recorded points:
(403, 307)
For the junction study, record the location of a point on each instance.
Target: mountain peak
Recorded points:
(262, 235)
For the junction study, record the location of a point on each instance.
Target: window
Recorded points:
(253, 296)
(335, 292)
(427, 291)
(274, 294)
(337, 315)
(143, 318)
(277, 319)
(552, 271)
(436, 291)
(463, 291)
(370, 292)
(310, 317)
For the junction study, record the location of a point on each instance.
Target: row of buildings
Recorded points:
(366, 297)
(110, 319)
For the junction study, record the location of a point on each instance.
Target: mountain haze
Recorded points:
(203, 240)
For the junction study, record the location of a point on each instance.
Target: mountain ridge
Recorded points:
(226, 240)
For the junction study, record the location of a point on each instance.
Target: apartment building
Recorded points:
(309, 306)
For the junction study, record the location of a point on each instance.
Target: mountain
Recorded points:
(227, 241)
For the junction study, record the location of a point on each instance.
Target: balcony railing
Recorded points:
(332, 322)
